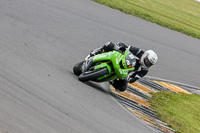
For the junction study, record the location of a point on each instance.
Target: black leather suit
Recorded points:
(139, 72)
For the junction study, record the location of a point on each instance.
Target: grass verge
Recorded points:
(180, 111)
(179, 15)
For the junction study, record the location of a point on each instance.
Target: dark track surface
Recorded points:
(41, 40)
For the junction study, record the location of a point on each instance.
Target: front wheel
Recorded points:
(93, 75)
(77, 68)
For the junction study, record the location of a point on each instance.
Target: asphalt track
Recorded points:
(41, 40)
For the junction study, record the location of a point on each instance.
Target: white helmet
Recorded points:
(148, 59)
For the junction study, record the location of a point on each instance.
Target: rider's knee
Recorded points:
(120, 85)
(109, 46)
(121, 88)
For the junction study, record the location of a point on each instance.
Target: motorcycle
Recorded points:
(106, 66)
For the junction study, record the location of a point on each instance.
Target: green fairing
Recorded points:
(115, 57)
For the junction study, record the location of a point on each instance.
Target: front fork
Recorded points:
(87, 64)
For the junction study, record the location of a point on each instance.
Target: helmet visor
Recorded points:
(147, 63)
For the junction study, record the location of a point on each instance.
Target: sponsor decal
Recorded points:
(121, 58)
(133, 64)
(120, 71)
(102, 55)
(131, 56)
(128, 62)
(125, 71)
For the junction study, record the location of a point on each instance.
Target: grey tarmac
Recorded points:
(41, 40)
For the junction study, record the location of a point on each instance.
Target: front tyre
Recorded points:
(93, 75)
(77, 68)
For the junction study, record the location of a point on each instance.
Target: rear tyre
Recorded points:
(77, 68)
(93, 75)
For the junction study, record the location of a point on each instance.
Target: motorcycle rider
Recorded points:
(144, 60)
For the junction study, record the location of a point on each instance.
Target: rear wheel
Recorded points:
(77, 68)
(93, 75)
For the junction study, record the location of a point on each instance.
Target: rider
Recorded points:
(145, 59)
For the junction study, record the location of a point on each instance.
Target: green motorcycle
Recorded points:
(107, 66)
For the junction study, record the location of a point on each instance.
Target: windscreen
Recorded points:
(130, 60)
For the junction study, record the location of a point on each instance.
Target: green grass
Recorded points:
(179, 15)
(180, 111)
